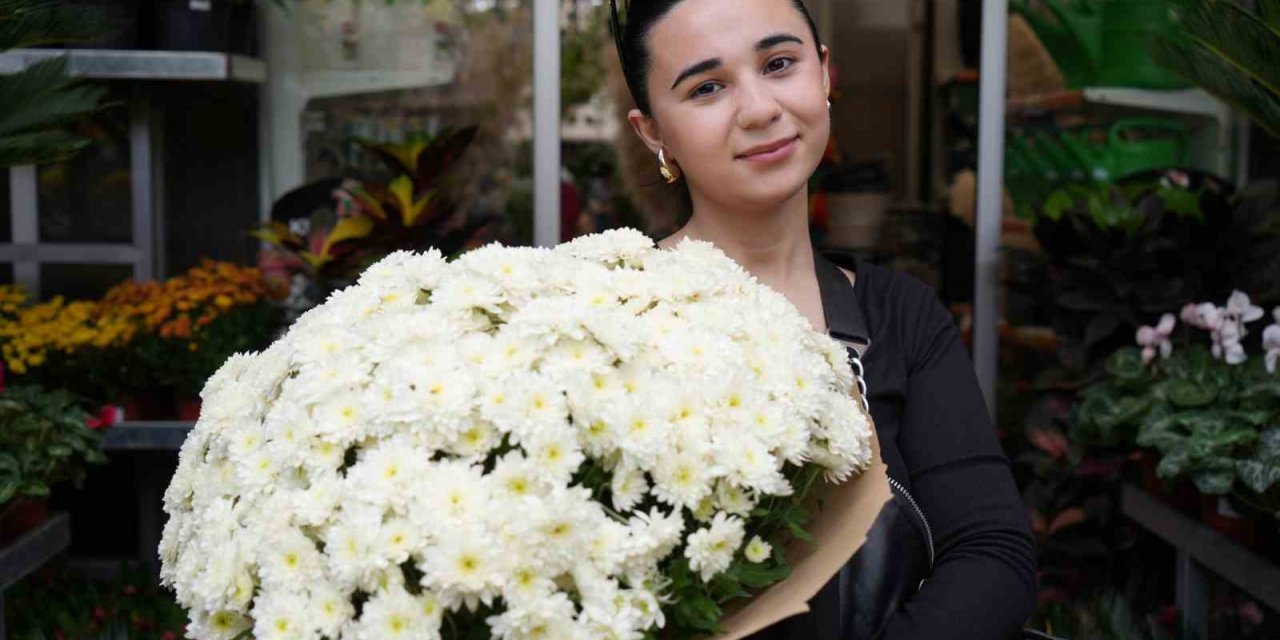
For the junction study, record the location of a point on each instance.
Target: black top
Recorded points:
(937, 438)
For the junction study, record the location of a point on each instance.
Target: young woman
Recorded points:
(731, 97)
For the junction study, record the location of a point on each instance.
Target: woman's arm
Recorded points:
(984, 580)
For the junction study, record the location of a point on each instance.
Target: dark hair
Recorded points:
(631, 26)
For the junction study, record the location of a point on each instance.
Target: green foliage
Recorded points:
(35, 23)
(1119, 255)
(582, 58)
(409, 210)
(37, 103)
(1216, 423)
(698, 606)
(55, 604)
(1230, 52)
(44, 440)
(1108, 616)
(171, 363)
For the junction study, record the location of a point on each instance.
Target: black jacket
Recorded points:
(939, 444)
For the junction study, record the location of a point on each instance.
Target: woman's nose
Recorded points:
(757, 106)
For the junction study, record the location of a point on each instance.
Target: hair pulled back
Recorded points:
(633, 20)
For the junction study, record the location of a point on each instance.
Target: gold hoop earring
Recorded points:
(669, 172)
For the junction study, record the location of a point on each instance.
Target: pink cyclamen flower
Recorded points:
(1240, 306)
(1205, 315)
(1271, 344)
(1156, 339)
(1230, 330)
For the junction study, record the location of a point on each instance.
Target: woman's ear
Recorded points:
(646, 128)
(826, 70)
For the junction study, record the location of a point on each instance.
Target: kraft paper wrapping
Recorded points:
(839, 528)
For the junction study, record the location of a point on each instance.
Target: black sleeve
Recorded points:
(984, 580)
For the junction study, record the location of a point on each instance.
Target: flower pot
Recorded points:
(150, 405)
(130, 407)
(20, 516)
(1148, 461)
(189, 409)
(193, 25)
(1217, 512)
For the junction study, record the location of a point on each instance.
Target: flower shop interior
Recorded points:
(1092, 187)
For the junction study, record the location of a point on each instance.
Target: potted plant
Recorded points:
(195, 321)
(39, 102)
(83, 346)
(408, 210)
(45, 439)
(1210, 410)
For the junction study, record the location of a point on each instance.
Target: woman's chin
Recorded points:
(772, 189)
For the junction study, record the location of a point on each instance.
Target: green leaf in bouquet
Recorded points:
(59, 451)
(1215, 482)
(759, 576)
(8, 489)
(799, 532)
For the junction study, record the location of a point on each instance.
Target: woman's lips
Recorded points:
(772, 152)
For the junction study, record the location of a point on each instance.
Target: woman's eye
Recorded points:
(705, 89)
(778, 64)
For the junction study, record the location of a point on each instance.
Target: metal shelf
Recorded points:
(33, 549)
(143, 65)
(29, 552)
(1193, 102)
(1198, 548)
(147, 435)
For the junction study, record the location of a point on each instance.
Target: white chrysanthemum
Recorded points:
(710, 550)
(437, 436)
(283, 615)
(218, 625)
(683, 479)
(394, 614)
(757, 550)
(552, 616)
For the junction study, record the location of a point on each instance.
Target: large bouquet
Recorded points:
(601, 440)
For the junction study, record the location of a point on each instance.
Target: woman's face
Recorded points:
(738, 97)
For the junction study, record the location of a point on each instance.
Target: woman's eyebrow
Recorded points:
(764, 44)
(776, 39)
(693, 70)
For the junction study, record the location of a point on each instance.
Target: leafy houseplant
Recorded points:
(45, 439)
(1213, 413)
(56, 603)
(1121, 253)
(410, 210)
(37, 103)
(193, 322)
(1229, 51)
